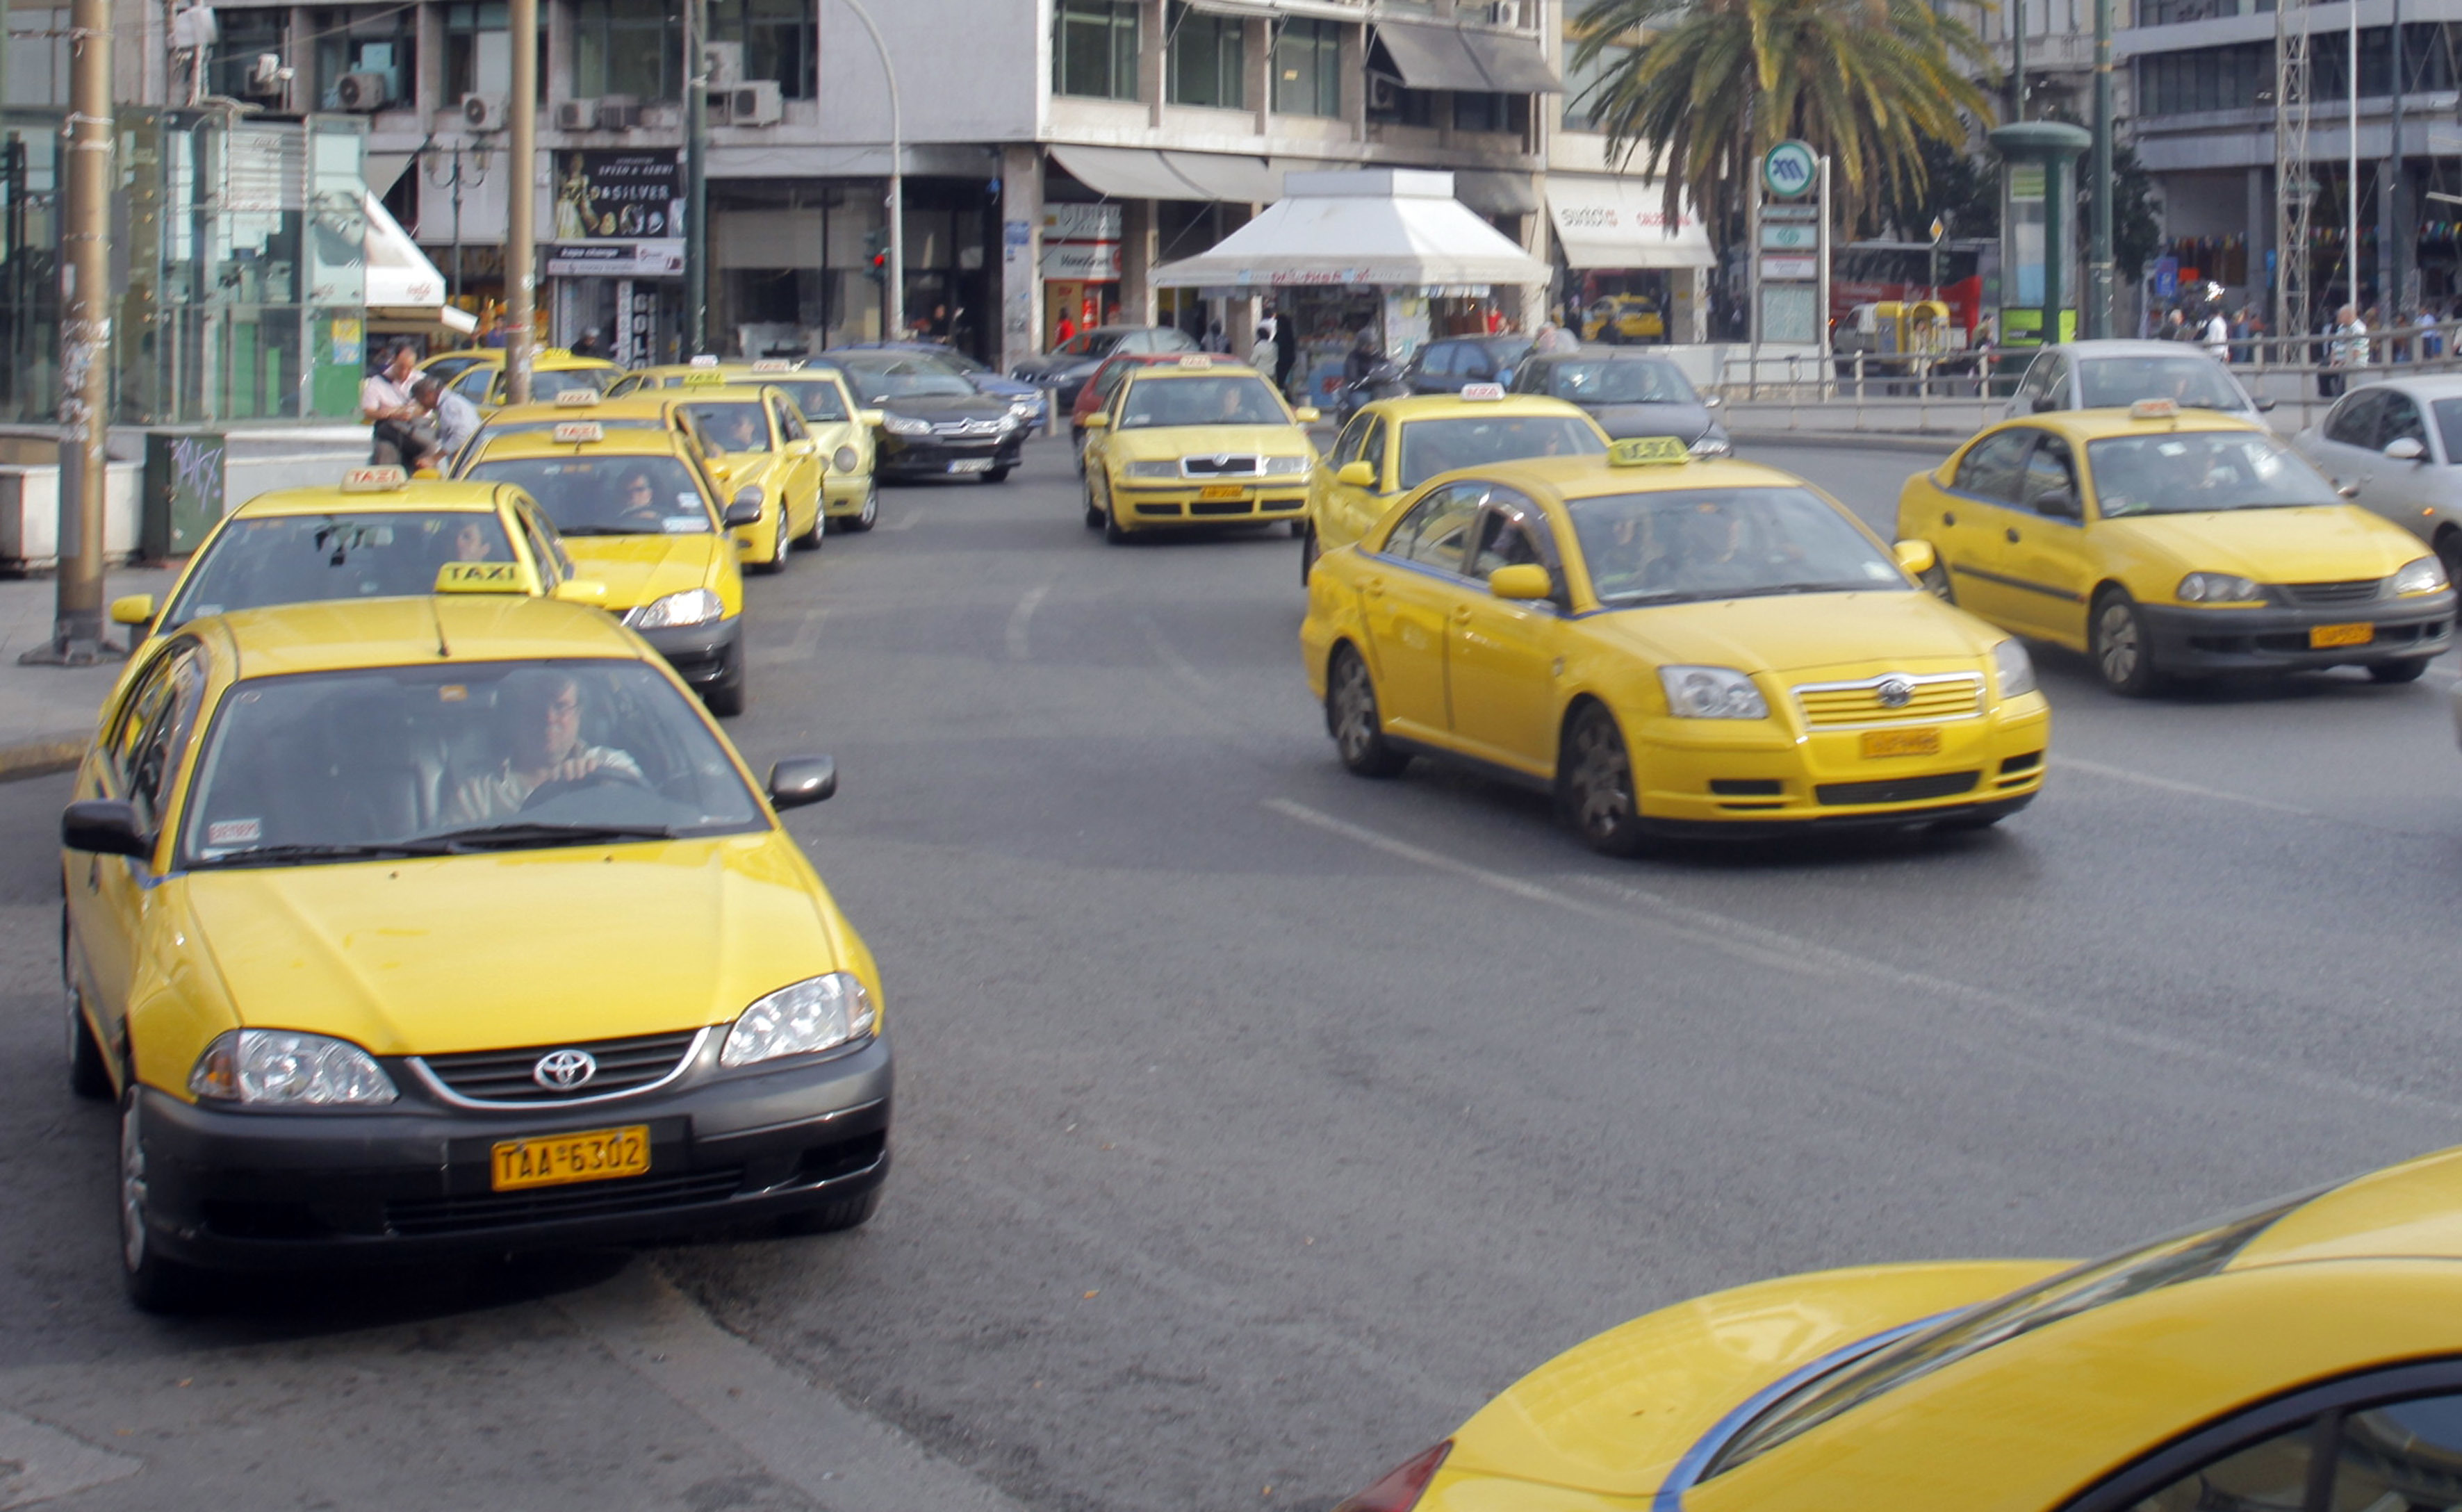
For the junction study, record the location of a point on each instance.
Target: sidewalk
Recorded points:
(47, 714)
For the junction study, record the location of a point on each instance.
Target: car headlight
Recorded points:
(1712, 444)
(1711, 693)
(1284, 467)
(817, 1013)
(2219, 587)
(1166, 468)
(694, 606)
(1021, 409)
(846, 458)
(905, 425)
(282, 1068)
(2426, 575)
(2016, 669)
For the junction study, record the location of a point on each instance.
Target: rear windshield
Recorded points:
(307, 558)
(2195, 380)
(608, 495)
(2193, 471)
(1239, 400)
(1626, 383)
(1431, 446)
(733, 426)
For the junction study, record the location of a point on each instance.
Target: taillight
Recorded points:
(1400, 1488)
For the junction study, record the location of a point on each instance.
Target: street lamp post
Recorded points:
(695, 176)
(895, 284)
(2098, 255)
(453, 181)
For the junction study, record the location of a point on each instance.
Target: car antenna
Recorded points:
(444, 651)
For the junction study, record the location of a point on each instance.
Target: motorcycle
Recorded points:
(1383, 380)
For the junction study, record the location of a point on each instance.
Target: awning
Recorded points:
(1435, 56)
(399, 275)
(1622, 223)
(1493, 191)
(1143, 173)
(1379, 226)
(1275, 10)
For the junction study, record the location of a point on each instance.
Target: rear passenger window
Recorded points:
(2354, 420)
(1354, 435)
(2403, 1456)
(1436, 530)
(1993, 467)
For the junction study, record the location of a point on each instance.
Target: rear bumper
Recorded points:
(2276, 639)
(699, 654)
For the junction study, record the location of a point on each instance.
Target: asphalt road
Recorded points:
(1258, 1122)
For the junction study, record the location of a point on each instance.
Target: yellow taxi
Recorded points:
(841, 430)
(767, 455)
(2164, 542)
(376, 533)
(634, 412)
(1201, 440)
(1393, 445)
(1624, 317)
(639, 513)
(409, 926)
(2305, 1354)
(1672, 648)
(553, 371)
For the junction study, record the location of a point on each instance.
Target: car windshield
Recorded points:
(1645, 381)
(2193, 471)
(1241, 399)
(905, 378)
(305, 558)
(439, 760)
(2191, 379)
(1690, 544)
(1431, 446)
(2167, 1262)
(2449, 425)
(818, 399)
(546, 383)
(732, 425)
(607, 495)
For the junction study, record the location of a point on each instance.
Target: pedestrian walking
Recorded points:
(1215, 341)
(2216, 334)
(1266, 354)
(2431, 341)
(1287, 351)
(2346, 351)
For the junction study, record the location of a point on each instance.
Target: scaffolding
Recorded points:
(2295, 194)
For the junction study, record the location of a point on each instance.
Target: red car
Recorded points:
(1097, 391)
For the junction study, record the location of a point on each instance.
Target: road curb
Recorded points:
(41, 756)
(1937, 444)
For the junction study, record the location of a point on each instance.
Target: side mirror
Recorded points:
(1524, 580)
(744, 508)
(1097, 421)
(2265, 406)
(873, 417)
(581, 591)
(1357, 475)
(137, 609)
(2057, 503)
(2406, 448)
(1917, 557)
(720, 471)
(2045, 402)
(1711, 401)
(1307, 415)
(105, 827)
(799, 780)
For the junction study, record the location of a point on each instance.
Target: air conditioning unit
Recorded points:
(1506, 12)
(723, 64)
(267, 77)
(483, 112)
(1384, 93)
(576, 114)
(755, 102)
(363, 92)
(192, 27)
(618, 112)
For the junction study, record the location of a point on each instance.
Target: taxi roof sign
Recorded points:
(773, 365)
(704, 360)
(578, 397)
(374, 480)
(705, 378)
(479, 578)
(1197, 360)
(1480, 393)
(574, 432)
(2156, 409)
(1648, 451)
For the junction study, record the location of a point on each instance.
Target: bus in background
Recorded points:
(1877, 272)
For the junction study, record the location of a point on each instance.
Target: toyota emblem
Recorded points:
(563, 1071)
(1894, 693)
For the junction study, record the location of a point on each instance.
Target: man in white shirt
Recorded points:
(385, 403)
(457, 419)
(2216, 334)
(544, 747)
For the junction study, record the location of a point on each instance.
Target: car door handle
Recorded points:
(1947, 518)
(1373, 588)
(2012, 535)
(1462, 614)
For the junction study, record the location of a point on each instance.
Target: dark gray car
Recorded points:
(1628, 393)
(1068, 369)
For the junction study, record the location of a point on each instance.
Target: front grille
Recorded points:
(2357, 592)
(1221, 507)
(968, 428)
(1746, 787)
(1955, 695)
(412, 1217)
(1222, 467)
(1897, 790)
(504, 1076)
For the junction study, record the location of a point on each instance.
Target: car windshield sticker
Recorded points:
(682, 523)
(452, 693)
(233, 832)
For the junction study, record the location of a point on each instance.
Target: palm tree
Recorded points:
(1707, 86)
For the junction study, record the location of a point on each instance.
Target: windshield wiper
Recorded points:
(308, 855)
(521, 832)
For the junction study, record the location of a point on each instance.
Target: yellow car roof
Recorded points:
(1425, 406)
(639, 404)
(553, 358)
(2094, 424)
(421, 495)
(744, 392)
(2408, 1211)
(336, 635)
(1595, 477)
(627, 442)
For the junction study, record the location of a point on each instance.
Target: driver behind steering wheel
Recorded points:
(542, 736)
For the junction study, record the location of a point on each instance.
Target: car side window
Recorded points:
(545, 546)
(1444, 359)
(2037, 380)
(1512, 533)
(790, 422)
(2354, 420)
(1372, 451)
(153, 732)
(473, 384)
(1473, 363)
(1444, 530)
(1990, 468)
(2399, 420)
(2273, 1472)
(2051, 483)
(2370, 1457)
(1345, 446)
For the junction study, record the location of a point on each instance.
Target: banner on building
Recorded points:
(649, 259)
(618, 196)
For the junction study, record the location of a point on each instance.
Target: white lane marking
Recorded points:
(42, 1463)
(801, 1432)
(1021, 616)
(1791, 953)
(2096, 768)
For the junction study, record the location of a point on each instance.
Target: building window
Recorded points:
(1581, 85)
(1307, 68)
(1209, 57)
(1475, 111)
(247, 35)
(378, 41)
(1094, 47)
(779, 38)
(633, 48)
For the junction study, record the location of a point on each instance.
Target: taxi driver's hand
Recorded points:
(573, 768)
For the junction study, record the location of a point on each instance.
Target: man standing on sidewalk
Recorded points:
(385, 403)
(2348, 350)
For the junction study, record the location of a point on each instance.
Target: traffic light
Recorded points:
(875, 248)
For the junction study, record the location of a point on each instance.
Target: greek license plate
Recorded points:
(2321, 637)
(971, 464)
(598, 1155)
(1901, 743)
(1221, 492)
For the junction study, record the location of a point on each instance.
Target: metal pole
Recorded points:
(85, 341)
(2099, 254)
(896, 283)
(521, 204)
(2055, 243)
(2352, 228)
(1822, 317)
(2394, 251)
(696, 177)
(2017, 60)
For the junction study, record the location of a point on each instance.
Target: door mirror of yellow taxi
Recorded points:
(1097, 421)
(1307, 415)
(105, 827)
(1521, 581)
(744, 508)
(2056, 503)
(720, 471)
(426, 470)
(1917, 557)
(1357, 475)
(799, 780)
(137, 609)
(873, 418)
(2406, 448)
(581, 591)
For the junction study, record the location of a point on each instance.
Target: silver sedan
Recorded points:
(2395, 448)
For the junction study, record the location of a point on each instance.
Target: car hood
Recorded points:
(2319, 544)
(1614, 1415)
(637, 568)
(1686, 423)
(434, 955)
(1784, 633)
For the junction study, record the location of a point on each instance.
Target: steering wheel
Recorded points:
(547, 791)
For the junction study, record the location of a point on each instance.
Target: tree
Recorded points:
(1706, 86)
(1963, 190)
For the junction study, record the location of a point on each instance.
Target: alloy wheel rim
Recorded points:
(871, 502)
(1601, 782)
(1354, 710)
(2119, 643)
(132, 1190)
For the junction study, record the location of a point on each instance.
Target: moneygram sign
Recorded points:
(1788, 170)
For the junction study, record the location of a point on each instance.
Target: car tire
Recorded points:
(1352, 719)
(1597, 789)
(1308, 552)
(779, 544)
(154, 1284)
(1112, 533)
(727, 696)
(2119, 647)
(865, 518)
(810, 540)
(832, 1217)
(996, 475)
(1299, 530)
(2407, 670)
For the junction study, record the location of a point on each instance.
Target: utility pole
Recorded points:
(696, 177)
(85, 343)
(2098, 255)
(2393, 198)
(521, 204)
(2017, 60)
(896, 288)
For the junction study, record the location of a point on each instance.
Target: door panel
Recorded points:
(1409, 595)
(2050, 553)
(1499, 676)
(1978, 511)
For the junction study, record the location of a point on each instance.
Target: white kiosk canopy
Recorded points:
(1622, 223)
(1379, 226)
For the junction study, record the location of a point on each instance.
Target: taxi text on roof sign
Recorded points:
(374, 480)
(2155, 409)
(704, 360)
(578, 431)
(1648, 451)
(705, 378)
(773, 365)
(1482, 391)
(479, 578)
(1197, 360)
(577, 398)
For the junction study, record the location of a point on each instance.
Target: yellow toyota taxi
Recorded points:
(1393, 445)
(1672, 648)
(841, 430)
(759, 440)
(636, 412)
(2303, 1356)
(374, 534)
(1199, 442)
(639, 511)
(419, 925)
(553, 371)
(2165, 543)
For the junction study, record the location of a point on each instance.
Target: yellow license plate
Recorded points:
(597, 1155)
(1902, 743)
(1216, 492)
(2320, 637)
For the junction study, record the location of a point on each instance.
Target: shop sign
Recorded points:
(1791, 238)
(1080, 222)
(1791, 269)
(663, 258)
(1789, 170)
(618, 195)
(1085, 262)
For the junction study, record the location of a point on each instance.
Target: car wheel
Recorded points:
(998, 475)
(869, 515)
(2448, 550)
(832, 1217)
(1308, 552)
(154, 1285)
(88, 1073)
(2116, 641)
(1352, 718)
(810, 540)
(726, 696)
(779, 544)
(1299, 530)
(2407, 670)
(1597, 788)
(1112, 533)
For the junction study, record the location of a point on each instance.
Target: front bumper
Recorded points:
(1142, 507)
(843, 494)
(267, 1191)
(2276, 638)
(699, 654)
(946, 456)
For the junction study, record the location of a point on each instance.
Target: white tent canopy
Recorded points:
(402, 284)
(1388, 226)
(1607, 222)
